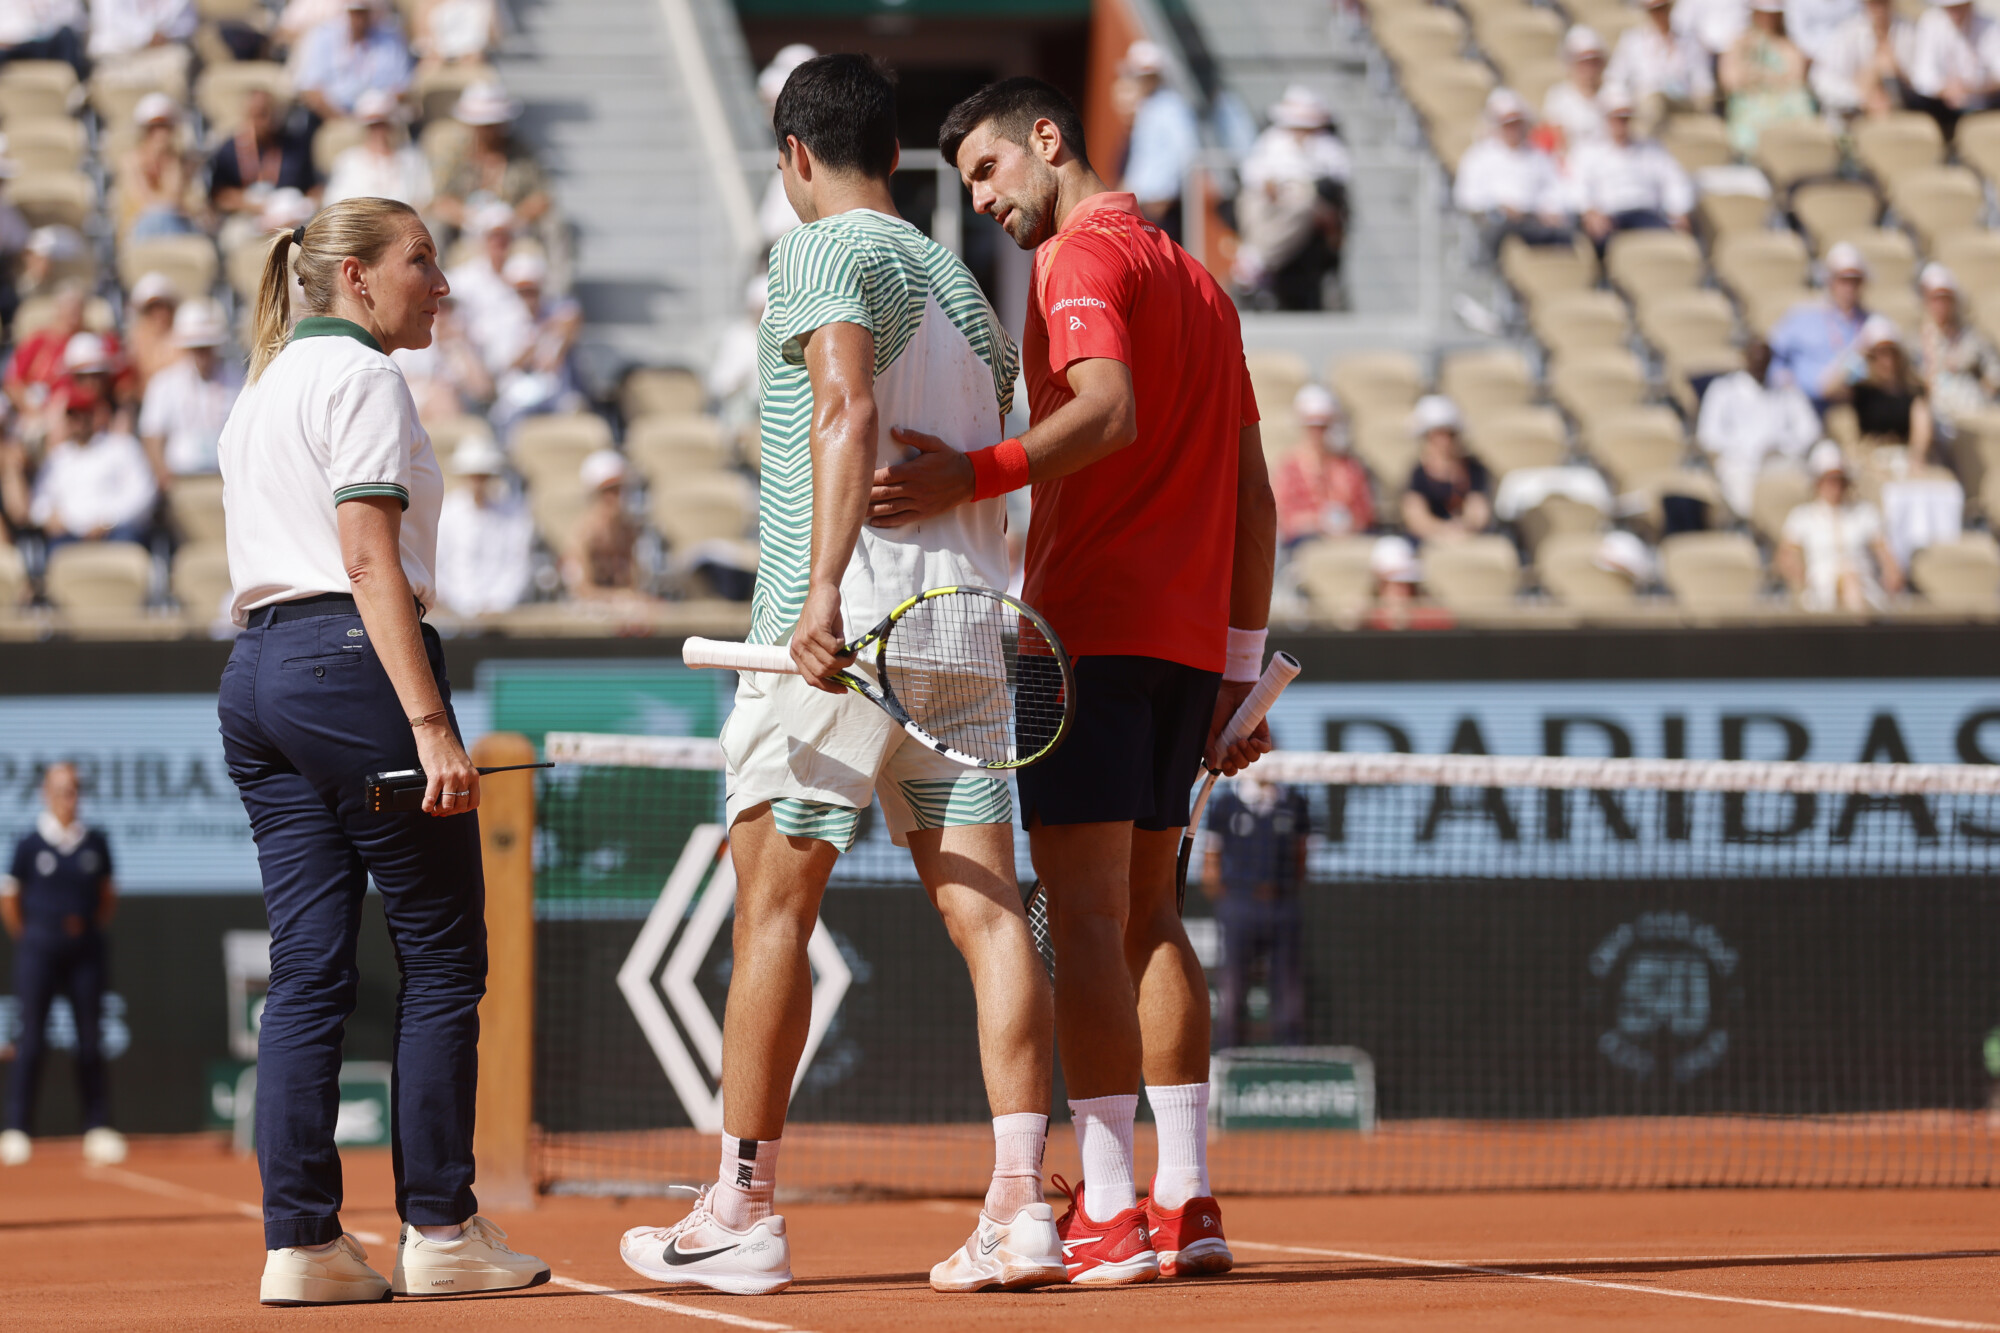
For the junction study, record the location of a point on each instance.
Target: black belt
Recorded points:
(302, 608)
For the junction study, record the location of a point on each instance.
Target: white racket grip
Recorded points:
(698, 652)
(1283, 670)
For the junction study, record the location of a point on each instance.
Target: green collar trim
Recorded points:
(327, 326)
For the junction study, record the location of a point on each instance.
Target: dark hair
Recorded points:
(1013, 105)
(843, 108)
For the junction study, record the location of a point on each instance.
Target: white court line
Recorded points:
(118, 1175)
(673, 1307)
(1680, 1293)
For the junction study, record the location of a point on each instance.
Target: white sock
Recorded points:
(746, 1182)
(451, 1232)
(1181, 1112)
(317, 1249)
(1104, 1140)
(1018, 1140)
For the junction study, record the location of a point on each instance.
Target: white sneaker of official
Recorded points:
(699, 1251)
(1009, 1256)
(15, 1148)
(103, 1146)
(337, 1276)
(474, 1260)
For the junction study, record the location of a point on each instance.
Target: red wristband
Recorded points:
(999, 469)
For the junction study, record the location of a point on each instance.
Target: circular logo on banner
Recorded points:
(1665, 981)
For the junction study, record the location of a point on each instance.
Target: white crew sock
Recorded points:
(444, 1233)
(1181, 1112)
(746, 1182)
(1018, 1140)
(1104, 1140)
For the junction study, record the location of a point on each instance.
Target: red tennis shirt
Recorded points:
(1132, 554)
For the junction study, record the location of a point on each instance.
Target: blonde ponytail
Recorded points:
(361, 227)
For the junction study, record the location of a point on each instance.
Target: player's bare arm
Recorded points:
(1256, 561)
(1102, 419)
(840, 359)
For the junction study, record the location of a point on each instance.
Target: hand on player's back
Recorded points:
(1245, 752)
(936, 479)
(819, 640)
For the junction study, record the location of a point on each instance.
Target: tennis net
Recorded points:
(1518, 973)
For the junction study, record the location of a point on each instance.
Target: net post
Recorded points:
(503, 1141)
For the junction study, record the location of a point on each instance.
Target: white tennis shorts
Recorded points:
(821, 758)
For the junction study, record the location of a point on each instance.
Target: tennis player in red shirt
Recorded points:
(1150, 551)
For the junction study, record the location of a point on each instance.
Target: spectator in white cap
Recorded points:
(48, 254)
(1165, 136)
(37, 364)
(359, 49)
(1292, 210)
(1450, 494)
(1322, 489)
(385, 164)
(1570, 111)
(1954, 64)
(1626, 183)
(476, 283)
(1863, 67)
(493, 164)
(775, 215)
(600, 560)
(154, 174)
(149, 326)
(1663, 70)
(1833, 553)
(141, 43)
(448, 32)
(1891, 405)
(180, 419)
(1512, 187)
(1814, 335)
(1763, 77)
(1398, 577)
(1957, 361)
(260, 158)
(539, 377)
(486, 534)
(94, 483)
(1751, 419)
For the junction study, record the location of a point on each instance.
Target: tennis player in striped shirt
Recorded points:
(870, 327)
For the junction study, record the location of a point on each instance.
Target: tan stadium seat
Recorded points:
(1334, 574)
(1899, 304)
(1536, 271)
(1694, 362)
(1575, 320)
(244, 267)
(1636, 442)
(702, 508)
(1276, 376)
(663, 448)
(1781, 487)
(1935, 202)
(1835, 210)
(40, 311)
(1558, 515)
(1763, 308)
(188, 262)
(1962, 575)
(1508, 438)
(28, 91)
(1972, 256)
(1448, 92)
(1480, 12)
(443, 140)
(651, 391)
(1449, 140)
(1902, 141)
(57, 74)
(1975, 448)
(1644, 504)
(1712, 571)
(1375, 382)
(196, 505)
(1609, 18)
(1567, 566)
(1674, 321)
(437, 89)
(1477, 574)
(1721, 215)
(222, 90)
(334, 137)
(1977, 143)
(114, 104)
(1643, 263)
(447, 433)
(1421, 35)
(1892, 258)
(1534, 79)
(229, 9)
(553, 447)
(13, 583)
(1791, 151)
(556, 503)
(1750, 262)
(49, 198)
(1517, 36)
(45, 143)
(1589, 381)
(1388, 450)
(93, 578)
(201, 582)
(1485, 378)
(1696, 140)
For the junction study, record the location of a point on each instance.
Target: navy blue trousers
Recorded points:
(307, 711)
(48, 963)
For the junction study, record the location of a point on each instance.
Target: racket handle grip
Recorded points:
(698, 652)
(1283, 669)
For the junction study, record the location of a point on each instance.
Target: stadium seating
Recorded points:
(1477, 575)
(1568, 567)
(1712, 571)
(1962, 575)
(196, 506)
(1334, 574)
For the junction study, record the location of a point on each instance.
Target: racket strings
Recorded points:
(963, 665)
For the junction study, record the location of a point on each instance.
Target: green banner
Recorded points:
(1317, 1087)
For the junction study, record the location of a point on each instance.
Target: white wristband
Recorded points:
(1245, 654)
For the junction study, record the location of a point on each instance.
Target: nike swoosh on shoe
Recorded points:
(677, 1257)
(987, 1247)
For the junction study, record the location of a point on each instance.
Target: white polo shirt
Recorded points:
(329, 420)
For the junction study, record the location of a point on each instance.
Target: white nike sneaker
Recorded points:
(699, 1251)
(1010, 1256)
(103, 1146)
(339, 1276)
(474, 1261)
(15, 1148)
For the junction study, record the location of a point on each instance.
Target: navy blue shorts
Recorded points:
(1133, 749)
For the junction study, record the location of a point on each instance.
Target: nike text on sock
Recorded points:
(1104, 1141)
(746, 1182)
(1181, 1111)
(1018, 1142)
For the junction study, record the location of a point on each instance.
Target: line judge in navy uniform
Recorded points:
(1253, 871)
(331, 497)
(56, 899)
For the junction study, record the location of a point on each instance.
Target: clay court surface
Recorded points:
(170, 1240)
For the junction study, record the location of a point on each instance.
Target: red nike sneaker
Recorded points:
(1188, 1239)
(1104, 1254)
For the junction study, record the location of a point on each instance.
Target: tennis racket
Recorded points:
(968, 672)
(1284, 668)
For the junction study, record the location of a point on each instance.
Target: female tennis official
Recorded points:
(331, 495)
